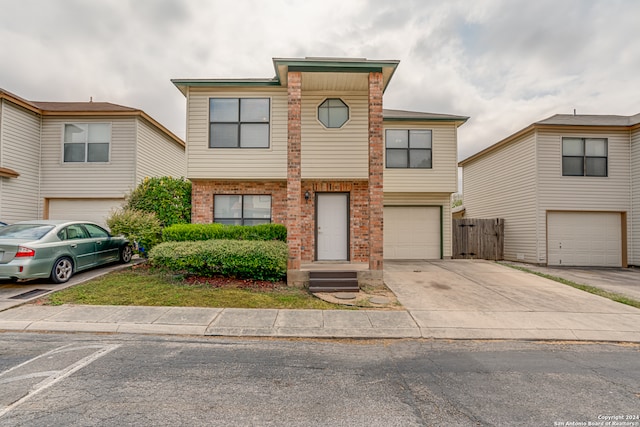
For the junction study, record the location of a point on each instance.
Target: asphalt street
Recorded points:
(100, 380)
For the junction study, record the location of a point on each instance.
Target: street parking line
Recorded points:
(52, 377)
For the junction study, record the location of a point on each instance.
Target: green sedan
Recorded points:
(57, 249)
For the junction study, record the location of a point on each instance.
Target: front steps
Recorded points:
(333, 281)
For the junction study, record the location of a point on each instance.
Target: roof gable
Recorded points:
(585, 121)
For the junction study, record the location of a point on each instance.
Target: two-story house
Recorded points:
(313, 148)
(568, 188)
(77, 160)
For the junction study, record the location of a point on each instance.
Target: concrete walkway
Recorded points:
(443, 299)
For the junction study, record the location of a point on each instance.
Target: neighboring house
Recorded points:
(77, 160)
(312, 148)
(568, 188)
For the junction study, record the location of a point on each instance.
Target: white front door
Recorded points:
(332, 227)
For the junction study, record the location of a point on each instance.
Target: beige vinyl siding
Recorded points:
(78, 180)
(157, 154)
(427, 199)
(20, 151)
(235, 163)
(634, 221)
(442, 177)
(581, 193)
(502, 184)
(335, 153)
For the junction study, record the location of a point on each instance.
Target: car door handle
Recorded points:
(98, 243)
(74, 246)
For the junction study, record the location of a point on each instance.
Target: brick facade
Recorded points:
(294, 194)
(376, 169)
(202, 192)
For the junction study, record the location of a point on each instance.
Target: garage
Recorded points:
(589, 239)
(94, 210)
(412, 232)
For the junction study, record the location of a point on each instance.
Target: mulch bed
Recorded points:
(229, 282)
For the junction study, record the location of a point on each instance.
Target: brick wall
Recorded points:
(376, 168)
(202, 192)
(294, 139)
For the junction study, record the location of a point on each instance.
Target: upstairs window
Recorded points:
(242, 209)
(408, 149)
(333, 113)
(239, 122)
(86, 142)
(584, 156)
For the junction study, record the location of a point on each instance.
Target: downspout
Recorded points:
(537, 203)
(40, 200)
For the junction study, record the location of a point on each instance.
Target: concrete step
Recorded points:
(333, 281)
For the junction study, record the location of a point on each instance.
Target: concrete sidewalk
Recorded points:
(619, 327)
(447, 299)
(212, 321)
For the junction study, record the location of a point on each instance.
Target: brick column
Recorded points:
(294, 189)
(376, 168)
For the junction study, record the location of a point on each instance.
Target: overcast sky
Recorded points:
(504, 63)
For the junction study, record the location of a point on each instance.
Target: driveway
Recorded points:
(623, 281)
(472, 296)
(13, 294)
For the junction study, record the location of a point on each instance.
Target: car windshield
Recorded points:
(25, 231)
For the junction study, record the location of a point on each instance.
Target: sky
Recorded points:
(503, 63)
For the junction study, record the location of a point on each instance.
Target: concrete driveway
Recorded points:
(465, 298)
(13, 294)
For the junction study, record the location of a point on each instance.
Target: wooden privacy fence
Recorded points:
(478, 239)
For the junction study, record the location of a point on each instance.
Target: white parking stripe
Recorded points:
(56, 376)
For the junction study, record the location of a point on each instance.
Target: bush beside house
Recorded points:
(258, 260)
(142, 228)
(169, 198)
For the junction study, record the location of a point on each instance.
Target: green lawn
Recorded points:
(146, 287)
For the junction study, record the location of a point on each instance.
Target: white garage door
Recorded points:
(412, 232)
(95, 210)
(584, 239)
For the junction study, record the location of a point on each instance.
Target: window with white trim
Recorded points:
(408, 148)
(584, 156)
(239, 209)
(239, 122)
(86, 142)
(333, 113)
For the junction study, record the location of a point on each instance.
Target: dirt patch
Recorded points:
(363, 298)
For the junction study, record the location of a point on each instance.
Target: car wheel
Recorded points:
(125, 254)
(62, 270)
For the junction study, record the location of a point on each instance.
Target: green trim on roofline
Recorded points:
(324, 63)
(415, 119)
(182, 84)
(336, 69)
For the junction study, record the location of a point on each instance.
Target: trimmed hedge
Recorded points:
(195, 232)
(235, 258)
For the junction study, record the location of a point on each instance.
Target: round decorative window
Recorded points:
(333, 113)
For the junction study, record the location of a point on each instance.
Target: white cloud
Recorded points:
(505, 63)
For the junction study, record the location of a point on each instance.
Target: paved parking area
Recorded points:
(450, 298)
(13, 294)
(623, 281)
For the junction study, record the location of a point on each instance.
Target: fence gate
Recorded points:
(478, 239)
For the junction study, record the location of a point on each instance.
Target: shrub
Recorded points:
(241, 259)
(169, 198)
(141, 227)
(194, 232)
